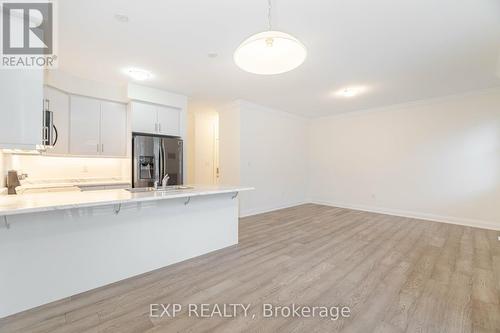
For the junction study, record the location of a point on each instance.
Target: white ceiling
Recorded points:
(402, 50)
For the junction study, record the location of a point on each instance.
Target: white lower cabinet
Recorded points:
(97, 127)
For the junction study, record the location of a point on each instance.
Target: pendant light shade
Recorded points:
(270, 52)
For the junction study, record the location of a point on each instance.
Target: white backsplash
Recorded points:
(50, 167)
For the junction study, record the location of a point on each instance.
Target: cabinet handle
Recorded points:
(97, 147)
(159, 127)
(102, 148)
(156, 127)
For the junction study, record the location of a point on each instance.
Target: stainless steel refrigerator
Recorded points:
(154, 156)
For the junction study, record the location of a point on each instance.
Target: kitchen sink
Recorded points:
(159, 189)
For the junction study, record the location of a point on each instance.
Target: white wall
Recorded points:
(438, 159)
(272, 156)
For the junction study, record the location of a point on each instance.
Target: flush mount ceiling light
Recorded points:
(120, 17)
(350, 91)
(138, 74)
(270, 52)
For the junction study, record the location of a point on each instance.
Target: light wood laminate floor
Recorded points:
(396, 274)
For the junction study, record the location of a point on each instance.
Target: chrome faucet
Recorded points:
(156, 185)
(164, 181)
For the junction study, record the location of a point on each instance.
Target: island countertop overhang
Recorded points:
(42, 202)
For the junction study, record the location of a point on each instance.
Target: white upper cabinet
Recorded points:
(155, 119)
(144, 118)
(84, 126)
(168, 121)
(97, 127)
(21, 105)
(59, 105)
(113, 129)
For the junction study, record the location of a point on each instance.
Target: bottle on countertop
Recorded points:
(12, 181)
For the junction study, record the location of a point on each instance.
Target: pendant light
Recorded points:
(270, 52)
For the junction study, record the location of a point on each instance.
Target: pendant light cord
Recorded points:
(269, 14)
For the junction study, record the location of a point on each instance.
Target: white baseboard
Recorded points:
(252, 212)
(421, 216)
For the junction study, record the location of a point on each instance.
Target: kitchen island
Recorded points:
(55, 245)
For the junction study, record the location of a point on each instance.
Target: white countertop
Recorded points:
(41, 202)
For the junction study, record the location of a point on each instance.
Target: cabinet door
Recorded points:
(113, 129)
(168, 120)
(144, 118)
(21, 105)
(59, 105)
(85, 116)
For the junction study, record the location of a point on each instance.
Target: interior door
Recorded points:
(85, 114)
(113, 129)
(172, 149)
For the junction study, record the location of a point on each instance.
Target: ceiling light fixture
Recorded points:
(138, 74)
(350, 91)
(270, 52)
(120, 17)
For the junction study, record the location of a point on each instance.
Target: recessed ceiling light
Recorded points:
(138, 74)
(120, 17)
(350, 91)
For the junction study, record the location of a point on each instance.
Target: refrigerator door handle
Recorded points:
(162, 161)
(165, 160)
(180, 153)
